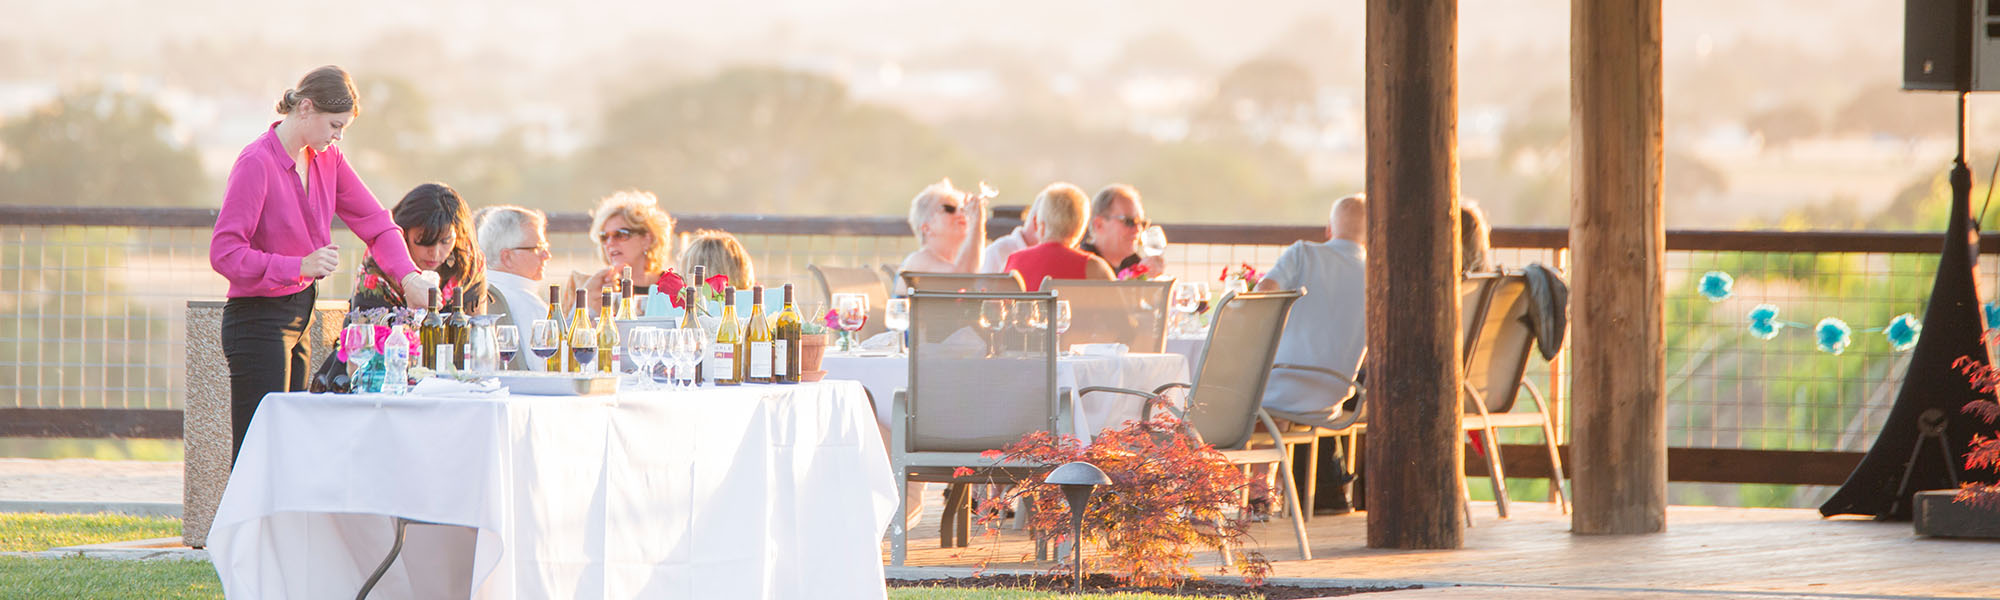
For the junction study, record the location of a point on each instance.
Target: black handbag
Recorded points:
(331, 376)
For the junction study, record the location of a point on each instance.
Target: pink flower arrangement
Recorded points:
(1138, 271)
(1245, 272)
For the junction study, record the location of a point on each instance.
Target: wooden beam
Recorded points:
(90, 423)
(1618, 243)
(1412, 113)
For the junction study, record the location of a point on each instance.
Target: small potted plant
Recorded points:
(812, 348)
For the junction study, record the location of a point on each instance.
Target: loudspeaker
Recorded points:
(1937, 44)
(1951, 45)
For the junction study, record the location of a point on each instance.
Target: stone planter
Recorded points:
(812, 349)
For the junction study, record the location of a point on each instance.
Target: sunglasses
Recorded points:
(1129, 221)
(542, 249)
(619, 234)
(949, 209)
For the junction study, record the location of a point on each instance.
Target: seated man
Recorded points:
(1327, 329)
(517, 253)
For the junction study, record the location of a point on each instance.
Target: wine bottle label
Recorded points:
(724, 361)
(760, 360)
(444, 351)
(778, 357)
(617, 357)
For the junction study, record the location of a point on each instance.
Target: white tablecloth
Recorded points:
(761, 491)
(883, 375)
(1189, 347)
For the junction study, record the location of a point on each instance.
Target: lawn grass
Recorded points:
(34, 532)
(108, 579)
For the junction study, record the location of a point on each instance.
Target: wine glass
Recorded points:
(544, 339)
(507, 339)
(583, 348)
(1062, 318)
(638, 345)
(1185, 300)
(1153, 241)
(852, 310)
(992, 318)
(1025, 316)
(897, 316)
(358, 340)
(687, 344)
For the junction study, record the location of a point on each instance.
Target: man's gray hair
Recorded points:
(504, 226)
(926, 203)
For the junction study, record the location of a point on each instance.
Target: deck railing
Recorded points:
(91, 302)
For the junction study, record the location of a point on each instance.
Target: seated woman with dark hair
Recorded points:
(437, 229)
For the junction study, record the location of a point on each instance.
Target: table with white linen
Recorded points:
(883, 375)
(757, 491)
(1189, 346)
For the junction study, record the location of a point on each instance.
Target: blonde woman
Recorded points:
(951, 230)
(720, 254)
(1059, 214)
(631, 231)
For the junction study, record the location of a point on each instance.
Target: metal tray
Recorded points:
(531, 383)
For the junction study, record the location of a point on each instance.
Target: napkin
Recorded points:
(881, 342)
(452, 388)
(1111, 349)
(966, 342)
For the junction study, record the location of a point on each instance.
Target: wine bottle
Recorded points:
(578, 352)
(555, 359)
(785, 343)
(625, 298)
(691, 323)
(757, 342)
(458, 329)
(609, 350)
(430, 333)
(726, 361)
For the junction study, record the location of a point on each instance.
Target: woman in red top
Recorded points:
(1060, 210)
(274, 239)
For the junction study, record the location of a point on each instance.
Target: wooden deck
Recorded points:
(1707, 552)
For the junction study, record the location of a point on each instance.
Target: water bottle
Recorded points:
(396, 362)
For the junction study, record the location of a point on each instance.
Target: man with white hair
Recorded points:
(516, 246)
(1327, 329)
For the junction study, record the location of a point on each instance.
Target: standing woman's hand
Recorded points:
(417, 288)
(321, 262)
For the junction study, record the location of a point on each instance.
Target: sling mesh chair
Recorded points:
(1133, 313)
(851, 280)
(963, 282)
(1223, 402)
(964, 398)
(1497, 342)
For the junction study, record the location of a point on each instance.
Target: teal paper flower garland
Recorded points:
(1832, 335)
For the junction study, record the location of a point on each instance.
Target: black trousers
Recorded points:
(264, 341)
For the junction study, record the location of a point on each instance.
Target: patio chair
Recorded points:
(1223, 402)
(963, 282)
(1309, 429)
(960, 402)
(1496, 349)
(831, 280)
(1133, 313)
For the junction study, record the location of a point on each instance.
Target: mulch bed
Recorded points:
(1102, 583)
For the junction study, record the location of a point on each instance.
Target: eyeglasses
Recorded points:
(1130, 221)
(619, 234)
(541, 249)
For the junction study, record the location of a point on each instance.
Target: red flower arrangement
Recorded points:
(1245, 272)
(1138, 271)
(671, 283)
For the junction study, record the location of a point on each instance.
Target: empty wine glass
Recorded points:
(1025, 315)
(507, 339)
(897, 316)
(544, 339)
(688, 347)
(992, 318)
(1185, 299)
(1153, 241)
(359, 341)
(639, 346)
(1062, 316)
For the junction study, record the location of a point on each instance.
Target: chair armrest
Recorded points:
(1321, 370)
(1163, 388)
(1145, 414)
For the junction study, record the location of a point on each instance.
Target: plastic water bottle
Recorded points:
(396, 362)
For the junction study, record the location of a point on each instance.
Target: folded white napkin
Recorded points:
(1111, 349)
(966, 342)
(885, 341)
(451, 388)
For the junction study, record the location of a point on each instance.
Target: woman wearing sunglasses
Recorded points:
(951, 230)
(631, 231)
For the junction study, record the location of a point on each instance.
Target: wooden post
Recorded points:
(1618, 241)
(1413, 272)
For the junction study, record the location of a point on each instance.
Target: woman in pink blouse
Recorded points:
(274, 239)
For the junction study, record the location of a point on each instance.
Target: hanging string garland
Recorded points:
(1831, 335)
